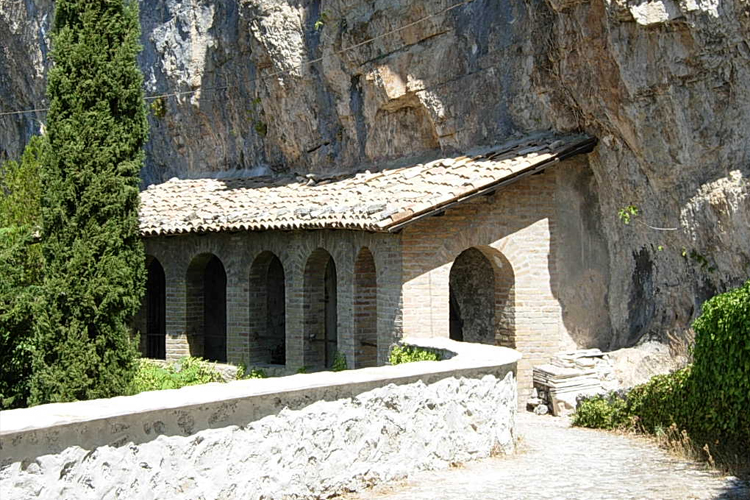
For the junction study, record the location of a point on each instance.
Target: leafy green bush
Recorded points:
(243, 373)
(410, 354)
(719, 383)
(154, 376)
(602, 412)
(20, 187)
(710, 399)
(662, 401)
(18, 300)
(339, 362)
(21, 269)
(659, 403)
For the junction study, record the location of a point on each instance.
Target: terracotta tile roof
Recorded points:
(382, 200)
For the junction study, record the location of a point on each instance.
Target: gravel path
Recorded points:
(556, 461)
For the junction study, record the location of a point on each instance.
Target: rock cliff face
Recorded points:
(323, 85)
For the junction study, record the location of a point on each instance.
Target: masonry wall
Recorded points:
(540, 238)
(239, 252)
(517, 231)
(302, 436)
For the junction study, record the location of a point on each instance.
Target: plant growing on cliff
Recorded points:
(159, 107)
(94, 261)
(627, 213)
(321, 22)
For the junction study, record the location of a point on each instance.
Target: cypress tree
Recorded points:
(94, 261)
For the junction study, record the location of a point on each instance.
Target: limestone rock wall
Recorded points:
(660, 82)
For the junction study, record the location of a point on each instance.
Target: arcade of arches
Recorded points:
(485, 271)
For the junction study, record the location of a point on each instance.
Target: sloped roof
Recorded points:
(384, 200)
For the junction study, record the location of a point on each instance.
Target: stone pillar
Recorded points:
(238, 316)
(345, 315)
(390, 296)
(176, 291)
(295, 315)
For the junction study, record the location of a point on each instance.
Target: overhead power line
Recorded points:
(282, 71)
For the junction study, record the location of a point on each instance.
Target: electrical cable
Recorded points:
(279, 72)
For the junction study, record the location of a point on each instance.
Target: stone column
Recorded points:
(176, 290)
(238, 316)
(295, 315)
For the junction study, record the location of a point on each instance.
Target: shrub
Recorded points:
(602, 412)
(21, 269)
(339, 362)
(21, 189)
(410, 354)
(155, 376)
(243, 373)
(18, 298)
(708, 400)
(660, 402)
(719, 383)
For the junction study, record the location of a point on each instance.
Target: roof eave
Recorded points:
(586, 146)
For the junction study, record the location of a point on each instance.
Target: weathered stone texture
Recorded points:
(661, 83)
(306, 436)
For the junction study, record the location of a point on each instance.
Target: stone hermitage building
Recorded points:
(295, 270)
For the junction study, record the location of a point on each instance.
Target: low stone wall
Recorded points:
(302, 436)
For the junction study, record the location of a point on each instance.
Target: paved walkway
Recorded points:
(556, 461)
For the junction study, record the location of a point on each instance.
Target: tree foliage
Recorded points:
(20, 267)
(94, 272)
(21, 188)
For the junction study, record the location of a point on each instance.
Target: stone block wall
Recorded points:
(302, 436)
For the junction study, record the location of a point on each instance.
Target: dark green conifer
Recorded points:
(94, 272)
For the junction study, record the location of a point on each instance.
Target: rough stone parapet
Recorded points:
(269, 438)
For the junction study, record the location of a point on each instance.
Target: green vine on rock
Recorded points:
(627, 213)
(159, 107)
(321, 22)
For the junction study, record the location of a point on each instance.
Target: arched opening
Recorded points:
(321, 315)
(481, 298)
(207, 308)
(365, 310)
(267, 310)
(156, 310)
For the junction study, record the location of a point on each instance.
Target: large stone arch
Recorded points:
(155, 305)
(320, 310)
(267, 319)
(206, 307)
(365, 310)
(482, 297)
